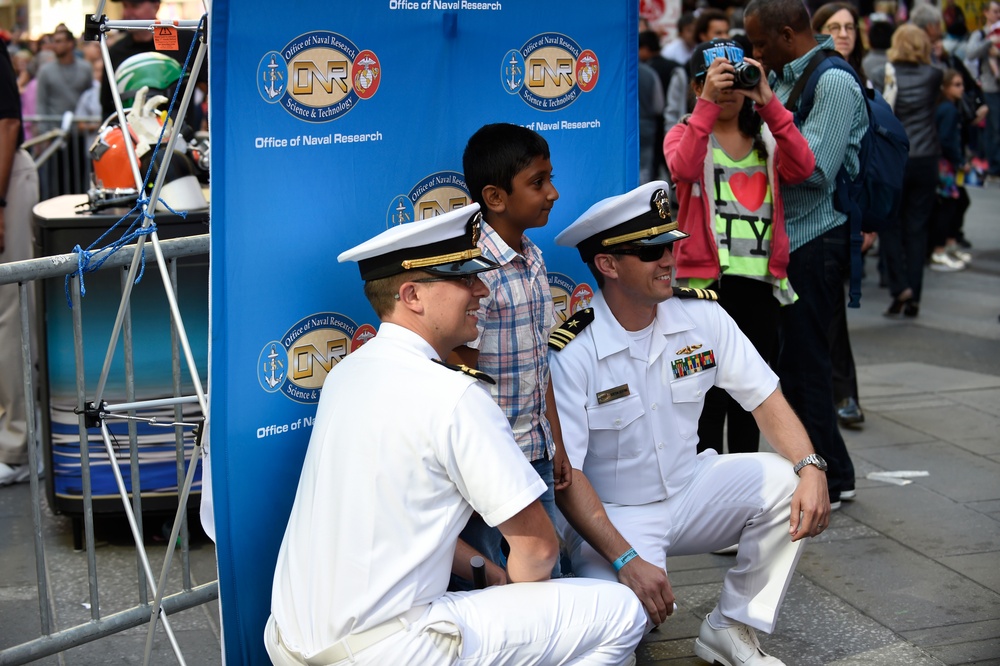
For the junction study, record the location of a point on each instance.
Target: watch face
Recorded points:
(820, 462)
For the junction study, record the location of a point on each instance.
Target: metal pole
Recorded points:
(36, 494)
(136, 534)
(168, 151)
(181, 509)
(175, 374)
(150, 404)
(88, 502)
(133, 438)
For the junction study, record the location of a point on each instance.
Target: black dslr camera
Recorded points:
(745, 76)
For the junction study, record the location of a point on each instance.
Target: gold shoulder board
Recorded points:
(472, 372)
(563, 335)
(703, 294)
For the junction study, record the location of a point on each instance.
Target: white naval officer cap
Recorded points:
(442, 245)
(638, 217)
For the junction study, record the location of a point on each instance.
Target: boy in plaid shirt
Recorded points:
(509, 173)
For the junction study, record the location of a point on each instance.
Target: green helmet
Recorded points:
(155, 70)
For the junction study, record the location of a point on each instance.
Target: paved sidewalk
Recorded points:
(905, 574)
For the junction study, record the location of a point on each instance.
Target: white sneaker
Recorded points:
(940, 261)
(735, 646)
(955, 252)
(13, 474)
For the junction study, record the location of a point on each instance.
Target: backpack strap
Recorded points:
(800, 84)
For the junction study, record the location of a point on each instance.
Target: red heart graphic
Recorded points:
(749, 190)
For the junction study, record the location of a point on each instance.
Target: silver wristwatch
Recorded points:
(811, 459)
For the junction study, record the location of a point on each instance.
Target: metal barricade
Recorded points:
(60, 146)
(26, 274)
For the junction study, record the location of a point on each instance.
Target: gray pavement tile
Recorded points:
(896, 586)
(880, 431)
(816, 627)
(949, 634)
(925, 521)
(953, 472)
(988, 508)
(985, 400)
(979, 652)
(894, 379)
(980, 567)
(981, 446)
(890, 655)
(127, 649)
(947, 422)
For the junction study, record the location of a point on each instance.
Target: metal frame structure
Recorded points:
(95, 412)
(25, 273)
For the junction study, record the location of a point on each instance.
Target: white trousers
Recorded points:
(568, 621)
(740, 498)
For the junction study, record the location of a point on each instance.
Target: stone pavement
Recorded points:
(904, 575)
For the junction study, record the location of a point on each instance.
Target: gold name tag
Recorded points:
(612, 394)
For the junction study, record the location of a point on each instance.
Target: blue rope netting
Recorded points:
(86, 261)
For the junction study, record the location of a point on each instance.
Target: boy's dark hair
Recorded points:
(704, 18)
(496, 153)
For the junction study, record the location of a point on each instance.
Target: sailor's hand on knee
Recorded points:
(810, 510)
(650, 584)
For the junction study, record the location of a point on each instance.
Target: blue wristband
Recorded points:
(624, 559)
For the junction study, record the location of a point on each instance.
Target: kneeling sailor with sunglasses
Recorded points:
(630, 375)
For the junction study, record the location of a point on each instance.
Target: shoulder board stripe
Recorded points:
(702, 294)
(562, 336)
(466, 370)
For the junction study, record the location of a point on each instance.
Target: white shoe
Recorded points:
(955, 252)
(735, 646)
(13, 474)
(940, 261)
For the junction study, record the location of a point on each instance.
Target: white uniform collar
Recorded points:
(610, 338)
(404, 337)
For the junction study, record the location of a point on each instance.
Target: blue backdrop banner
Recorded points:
(331, 122)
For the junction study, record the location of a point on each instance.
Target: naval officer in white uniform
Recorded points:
(630, 375)
(404, 448)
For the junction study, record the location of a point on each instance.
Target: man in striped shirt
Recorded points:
(818, 234)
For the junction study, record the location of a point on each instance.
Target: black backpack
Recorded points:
(871, 200)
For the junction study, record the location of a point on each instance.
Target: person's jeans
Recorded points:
(490, 542)
(816, 271)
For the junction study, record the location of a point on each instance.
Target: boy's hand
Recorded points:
(562, 471)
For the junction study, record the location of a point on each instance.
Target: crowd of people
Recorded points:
(949, 150)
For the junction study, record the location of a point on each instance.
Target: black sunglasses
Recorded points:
(646, 253)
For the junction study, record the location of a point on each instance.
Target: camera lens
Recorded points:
(745, 76)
